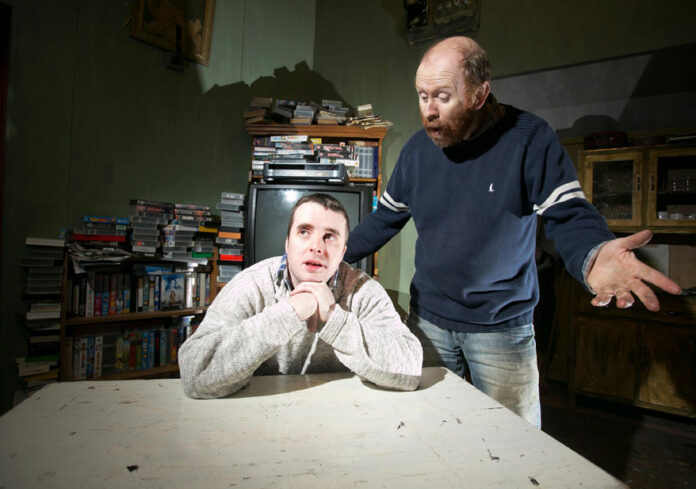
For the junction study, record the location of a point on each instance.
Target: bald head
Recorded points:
(467, 54)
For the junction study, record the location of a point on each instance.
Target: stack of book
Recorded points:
(337, 153)
(43, 264)
(101, 232)
(303, 115)
(283, 110)
(263, 152)
(147, 218)
(332, 112)
(292, 149)
(230, 235)
(190, 234)
(258, 110)
(96, 229)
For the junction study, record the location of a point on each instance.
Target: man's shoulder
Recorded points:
(263, 272)
(521, 128)
(351, 279)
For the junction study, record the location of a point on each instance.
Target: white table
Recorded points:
(324, 431)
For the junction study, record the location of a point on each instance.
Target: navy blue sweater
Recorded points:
(475, 208)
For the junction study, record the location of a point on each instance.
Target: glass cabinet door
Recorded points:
(672, 187)
(612, 183)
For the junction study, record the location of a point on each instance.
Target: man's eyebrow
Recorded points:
(333, 231)
(304, 225)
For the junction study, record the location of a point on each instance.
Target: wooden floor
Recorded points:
(644, 449)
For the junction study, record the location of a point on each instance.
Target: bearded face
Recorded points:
(448, 103)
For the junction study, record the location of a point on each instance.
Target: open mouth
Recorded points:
(313, 265)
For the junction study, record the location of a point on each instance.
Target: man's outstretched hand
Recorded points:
(617, 272)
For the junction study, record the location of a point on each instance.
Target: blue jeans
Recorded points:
(501, 364)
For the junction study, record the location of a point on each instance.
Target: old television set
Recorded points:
(268, 212)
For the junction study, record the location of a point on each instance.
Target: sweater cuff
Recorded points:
(334, 325)
(283, 314)
(588, 263)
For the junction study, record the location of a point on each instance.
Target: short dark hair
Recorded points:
(324, 200)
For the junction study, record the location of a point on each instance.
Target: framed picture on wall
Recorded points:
(181, 26)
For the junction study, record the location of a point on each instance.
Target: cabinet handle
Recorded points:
(637, 183)
(652, 183)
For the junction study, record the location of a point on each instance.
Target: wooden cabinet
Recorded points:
(639, 187)
(329, 134)
(636, 356)
(105, 330)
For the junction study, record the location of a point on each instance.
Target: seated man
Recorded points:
(307, 311)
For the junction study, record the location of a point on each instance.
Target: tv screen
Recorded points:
(269, 209)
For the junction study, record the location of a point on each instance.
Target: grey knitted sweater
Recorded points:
(251, 328)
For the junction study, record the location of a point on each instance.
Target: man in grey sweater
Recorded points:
(307, 311)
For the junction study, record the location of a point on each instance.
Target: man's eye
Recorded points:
(330, 237)
(303, 232)
(444, 97)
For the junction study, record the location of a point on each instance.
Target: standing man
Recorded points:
(307, 311)
(474, 181)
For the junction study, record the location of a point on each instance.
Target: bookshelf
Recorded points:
(329, 134)
(75, 327)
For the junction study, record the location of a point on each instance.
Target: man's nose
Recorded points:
(317, 246)
(430, 110)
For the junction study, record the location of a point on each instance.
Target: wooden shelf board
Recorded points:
(135, 316)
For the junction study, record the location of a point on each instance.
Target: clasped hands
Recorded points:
(313, 302)
(617, 272)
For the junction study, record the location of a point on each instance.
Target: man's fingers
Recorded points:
(645, 295)
(601, 300)
(636, 240)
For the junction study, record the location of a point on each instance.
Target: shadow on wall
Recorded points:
(663, 98)
(300, 84)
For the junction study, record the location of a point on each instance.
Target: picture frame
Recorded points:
(167, 24)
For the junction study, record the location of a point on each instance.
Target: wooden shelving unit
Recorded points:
(77, 326)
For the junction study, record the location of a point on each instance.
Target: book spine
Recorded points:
(98, 351)
(127, 293)
(173, 345)
(152, 348)
(106, 283)
(81, 296)
(151, 295)
(201, 289)
(89, 295)
(97, 293)
(157, 294)
(119, 354)
(83, 358)
(89, 367)
(163, 347)
(119, 293)
(139, 301)
(113, 291)
(207, 289)
(144, 350)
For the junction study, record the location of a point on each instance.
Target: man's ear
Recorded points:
(482, 92)
(286, 246)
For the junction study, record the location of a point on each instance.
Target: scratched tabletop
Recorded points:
(292, 431)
